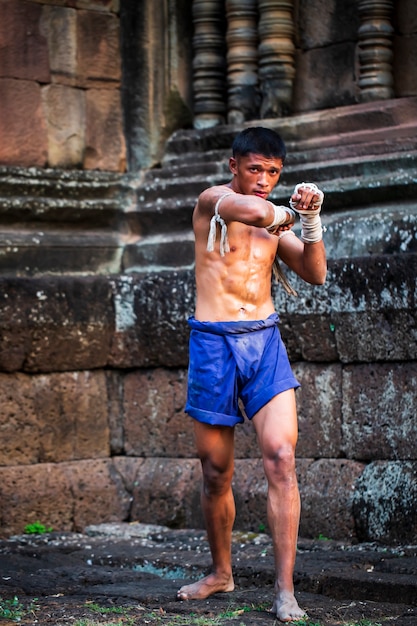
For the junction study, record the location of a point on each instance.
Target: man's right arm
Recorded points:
(248, 209)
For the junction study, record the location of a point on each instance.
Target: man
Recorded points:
(236, 351)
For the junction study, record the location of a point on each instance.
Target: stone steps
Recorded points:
(363, 157)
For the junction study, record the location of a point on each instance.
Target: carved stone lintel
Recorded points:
(209, 64)
(242, 60)
(276, 56)
(375, 50)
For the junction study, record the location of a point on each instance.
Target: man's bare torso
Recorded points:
(236, 286)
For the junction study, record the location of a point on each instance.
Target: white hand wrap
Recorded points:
(280, 216)
(311, 228)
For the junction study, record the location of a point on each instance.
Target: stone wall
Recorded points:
(96, 280)
(94, 367)
(60, 81)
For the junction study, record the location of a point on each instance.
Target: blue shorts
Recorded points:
(235, 360)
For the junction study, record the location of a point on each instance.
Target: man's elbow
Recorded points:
(319, 277)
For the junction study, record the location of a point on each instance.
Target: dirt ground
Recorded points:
(128, 574)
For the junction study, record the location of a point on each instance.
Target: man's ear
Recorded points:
(233, 165)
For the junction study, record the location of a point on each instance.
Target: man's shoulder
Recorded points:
(211, 195)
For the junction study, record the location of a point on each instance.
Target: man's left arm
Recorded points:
(306, 256)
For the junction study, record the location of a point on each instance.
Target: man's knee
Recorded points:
(279, 463)
(216, 479)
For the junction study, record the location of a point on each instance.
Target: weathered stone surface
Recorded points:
(30, 493)
(404, 62)
(154, 423)
(319, 405)
(104, 150)
(385, 502)
(166, 489)
(324, 23)
(379, 411)
(98, 5)
(98, 492)
(327, 489)
(365, 310)
(62, 495)
(65, 113)
(22, 126)
(24, 51)
(98, 50)
(151, 319)
(55, 324)
(53, 418)
(60, 27)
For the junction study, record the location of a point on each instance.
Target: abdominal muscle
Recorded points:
(236, 286)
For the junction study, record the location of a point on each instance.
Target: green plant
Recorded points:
(322, 537)
(13, 610)
(37, 528)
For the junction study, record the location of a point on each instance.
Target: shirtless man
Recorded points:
(236, 350)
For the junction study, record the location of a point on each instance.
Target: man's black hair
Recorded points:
(259, 140)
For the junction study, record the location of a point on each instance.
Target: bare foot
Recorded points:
(286, 607)
(205, 587)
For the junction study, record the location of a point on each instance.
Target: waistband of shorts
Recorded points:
(233, 328)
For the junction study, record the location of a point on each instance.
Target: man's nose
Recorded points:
(262, 178)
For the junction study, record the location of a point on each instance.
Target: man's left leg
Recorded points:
(276, 428)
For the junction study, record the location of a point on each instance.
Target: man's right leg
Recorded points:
(215, 447)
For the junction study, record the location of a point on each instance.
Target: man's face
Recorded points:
(254, 174)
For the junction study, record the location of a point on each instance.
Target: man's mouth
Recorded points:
(260, 193)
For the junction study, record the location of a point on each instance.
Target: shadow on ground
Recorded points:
(129, 574)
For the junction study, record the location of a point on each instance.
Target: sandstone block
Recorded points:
(327, 489)
(53, 418)
(167, 491)
(98, 49)
(407, 18)
(331, 77)
(319, 406)
(24, 50)
(404, 63)
(385, 502)
(65, 496)
(60, 27)
(55, 323)
(31, 493)
(22, 125)
(65, 112)
(151, 319)
(154, 422)
(98, 493)
(105, 147)
(324, 23)
(379, 409)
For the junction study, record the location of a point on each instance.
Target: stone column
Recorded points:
(209, 63)
(242, 61)
(375, 50)
(276, 56)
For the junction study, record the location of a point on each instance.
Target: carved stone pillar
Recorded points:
(375, 50)
(209, 63)
(276, 56)
(242, 60)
